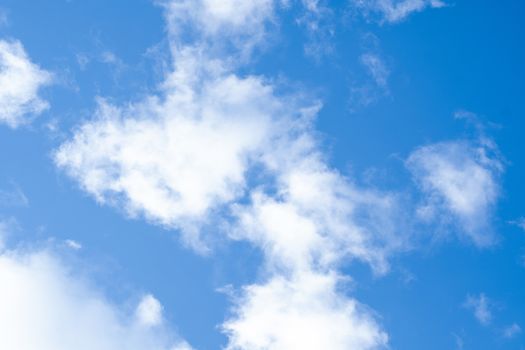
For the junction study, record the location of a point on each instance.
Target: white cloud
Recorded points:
(304, 313)
(20, 82)
(480, 306)
(149, 311)
(47, 306)
(512, 331)
(173, 161)
(219, 25)
(459, 178)
(229, 154)
(393, 11)
(319, 218)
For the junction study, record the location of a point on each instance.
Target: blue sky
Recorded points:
(262, 174)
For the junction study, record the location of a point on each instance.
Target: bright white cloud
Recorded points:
(319, 218)
(303, 313)
(480, 306)
(393, 11)
(20, 82)
(45, 306)
(228, 151)
(459, 178)
(176, 160)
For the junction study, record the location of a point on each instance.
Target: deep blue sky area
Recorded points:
(465, 56)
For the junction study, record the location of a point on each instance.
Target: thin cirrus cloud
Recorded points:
(376, 68)
(459, 179)
(20, 83)
(46, 298)
(393, 11)
(13, 197)
(512, 331)
(481, 308)
(185, 159)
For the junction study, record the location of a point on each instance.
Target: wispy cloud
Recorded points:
(20, 82)
(481, 308)
(318, 20)
(72, 244)
(376, 68)
(374, 85)
(511, 331)
(4, 19)
(520, 222)
(393, 11)
(459, 179)
(13, 197)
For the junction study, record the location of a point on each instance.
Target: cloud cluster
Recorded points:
(233, 155)
(46, 306)
(20, 82)
(219, 147)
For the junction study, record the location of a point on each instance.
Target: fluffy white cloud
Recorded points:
(304, 312)
(393, 11)
(459, 178)
(216, 146)
(20, 82)
(319, 218)
(480, 306)
(45, 306)
(177, 159)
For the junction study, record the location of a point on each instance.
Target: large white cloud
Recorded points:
(45, 305)
(220, 148)
(20, 82)
(460, 179)
(177, 159)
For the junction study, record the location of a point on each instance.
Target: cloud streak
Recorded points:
(394, 11)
